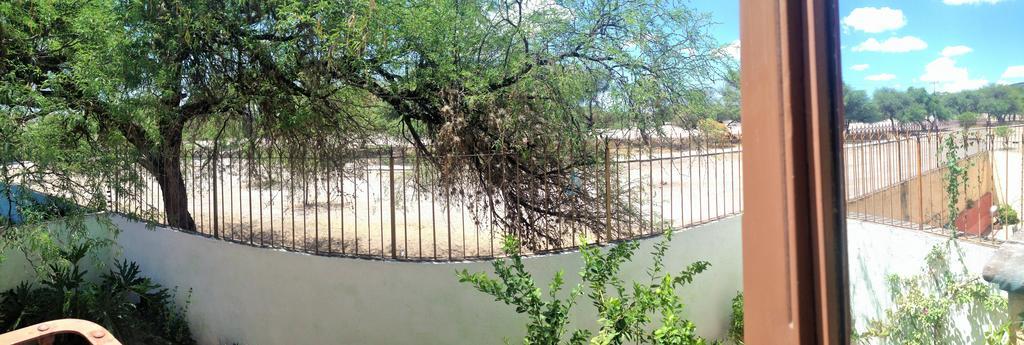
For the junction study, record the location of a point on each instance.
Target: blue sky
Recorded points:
(942, 45)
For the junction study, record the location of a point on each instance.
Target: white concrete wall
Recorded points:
(258, 296)
(251, 295)
(877, 251)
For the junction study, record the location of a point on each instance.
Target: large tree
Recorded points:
(1000, 101)
(498, 95)
(858, 107)
(926, 108)
(892, 103)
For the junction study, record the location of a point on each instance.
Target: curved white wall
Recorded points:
(259, 296)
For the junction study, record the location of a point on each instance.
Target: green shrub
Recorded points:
(1006, 215)
(925, 304)
(1003, 132)
(736, 321)
(967, 119)
(625, 312)
(131, 307)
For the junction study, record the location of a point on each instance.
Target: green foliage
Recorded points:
(954, 179)
(1006, 215)
(727, 109)
(961, 102)
(504, 99)
(968, 119)
(859, 108)
(1000, 101)
(736, 320)
(923, 304)
(892, 103)
(926, 107)
(130, 306)
(625, 313)
(1003, 132)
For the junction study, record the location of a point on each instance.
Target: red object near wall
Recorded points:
(977, 220)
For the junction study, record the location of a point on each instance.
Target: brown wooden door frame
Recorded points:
(794, 241)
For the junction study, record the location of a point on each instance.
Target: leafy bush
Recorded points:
(736, 321)
(132, 307)
(1003, 132)
(968, 119)
(923, 304)
(622, 315)
(1006, 215)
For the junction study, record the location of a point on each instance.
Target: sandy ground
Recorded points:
(353, 215)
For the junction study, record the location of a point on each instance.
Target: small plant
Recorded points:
(736, 321)
(625, 312)
(1006, 215)
(1003, 132)
(130, 306)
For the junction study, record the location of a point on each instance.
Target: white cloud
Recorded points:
(733, 49)
(881, 77)
(943, 69)
(960, 85)
(956, 51)
(875, 20)
(948, 77)
(892, 45)
(1014, 72)
(970, 2)
(859, 67)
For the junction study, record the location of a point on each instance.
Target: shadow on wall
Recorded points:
(889, 262)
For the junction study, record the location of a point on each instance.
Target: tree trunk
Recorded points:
(175, 196)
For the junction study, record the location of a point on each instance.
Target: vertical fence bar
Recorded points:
(330, 166)
(213, 197)
(291, 191)
(248, 188)
(448, 213)
(316, 205)
(259, 182)
(380, 200)
(391, 182)
(921, 188)
(607, 192)
(304, 173)
(341, 190)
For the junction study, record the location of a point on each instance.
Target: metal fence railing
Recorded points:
(381, 204)
(898, 177)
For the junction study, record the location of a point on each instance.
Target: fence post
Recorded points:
(391, 182)
(607, 193)
(216, 216)
(920, 186)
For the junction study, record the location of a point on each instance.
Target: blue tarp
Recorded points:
(11, 197)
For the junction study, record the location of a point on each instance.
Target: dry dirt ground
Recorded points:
(355, 214)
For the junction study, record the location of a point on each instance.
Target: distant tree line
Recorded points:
(918, 106)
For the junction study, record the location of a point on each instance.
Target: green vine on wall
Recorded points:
(955, 178)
